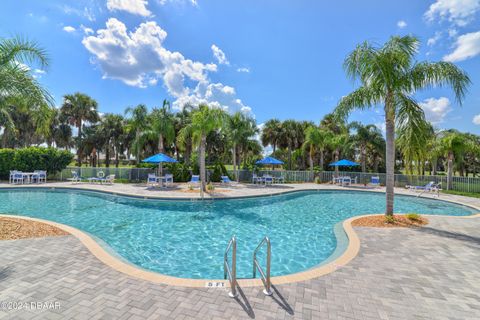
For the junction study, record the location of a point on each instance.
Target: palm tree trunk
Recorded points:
(450, 170)
(310, 158)
(137, 138)
(390, 159)
(202, 164)
(160, 143)
(116, 157)
(107, 156)
(364, 160)
(234, 157)
(79, 146)
(337, 153)
(322, 159)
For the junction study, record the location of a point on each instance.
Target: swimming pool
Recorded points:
(187, 239)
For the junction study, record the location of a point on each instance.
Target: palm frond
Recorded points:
(362, 98)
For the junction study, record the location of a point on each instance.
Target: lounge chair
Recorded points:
(426, 187)
(75, 177)
(375, 181)
(194, 181)
(279, 179)
(110, 179)
(226, 181)
(99, 178)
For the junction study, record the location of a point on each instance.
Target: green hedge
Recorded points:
(33, 158)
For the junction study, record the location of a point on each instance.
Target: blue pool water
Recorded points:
(188, 238)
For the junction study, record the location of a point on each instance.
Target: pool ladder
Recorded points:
(231, 273)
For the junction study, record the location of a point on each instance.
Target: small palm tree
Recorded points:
(77, 109)
(453, 144)
(314, 139)
(390, 76)
(204, 121)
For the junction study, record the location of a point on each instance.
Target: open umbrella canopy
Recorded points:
(343, 163)
(159, 158)
(269, 161)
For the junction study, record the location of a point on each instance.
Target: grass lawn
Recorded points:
(461, 193)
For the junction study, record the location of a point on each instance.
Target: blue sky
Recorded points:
(279, 59)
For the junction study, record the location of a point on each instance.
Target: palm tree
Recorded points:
(453, 145)
(390, 76)
(111, 128)
(413, 138)
(204, 121)
(138, 120)
(271, 133)
(77, 109)
(363, 136)
(313, 138)
(240, 128)
(163, 125)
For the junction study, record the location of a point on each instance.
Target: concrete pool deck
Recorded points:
(448, 225)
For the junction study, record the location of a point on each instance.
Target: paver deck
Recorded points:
(424, 273)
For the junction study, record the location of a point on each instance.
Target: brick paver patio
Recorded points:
(427, 273)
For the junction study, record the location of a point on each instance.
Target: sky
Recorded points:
(272, 59)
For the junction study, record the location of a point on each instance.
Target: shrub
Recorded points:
(180, 171)
(210, 186)
(413, 217)
(389, 219)
(33, 158)
(317, 180)
(219, 170)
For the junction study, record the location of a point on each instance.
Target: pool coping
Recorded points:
(118, 264)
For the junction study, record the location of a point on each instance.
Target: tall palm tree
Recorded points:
(453, 145)
(204, 121)
(136, 123)
(412, 141)
(389, 75)
(163, 125)
(271, 133)
(77, 109)
(240, 128)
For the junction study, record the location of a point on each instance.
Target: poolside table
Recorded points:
(29, 176)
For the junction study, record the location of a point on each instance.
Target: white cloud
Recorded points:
(243, 69)
(431, 41)
(381, 126)
(436, 109)
(466, 46)
(138, 7)
(458, 12)
(476, 119)
(401, 24)
(452, 32)
(84, 12)
(69, 29)
(138, 58)
(86, 30)
(219, 55)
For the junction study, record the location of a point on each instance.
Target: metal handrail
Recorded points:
(265, 277)
(231, 273)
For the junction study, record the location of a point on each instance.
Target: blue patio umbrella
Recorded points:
(344, 163)
(269, 161)
(159, 158)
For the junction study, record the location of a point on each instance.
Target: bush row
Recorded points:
(33, 158)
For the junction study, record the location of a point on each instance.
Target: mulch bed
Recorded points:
(14, 228)
(379, 222)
